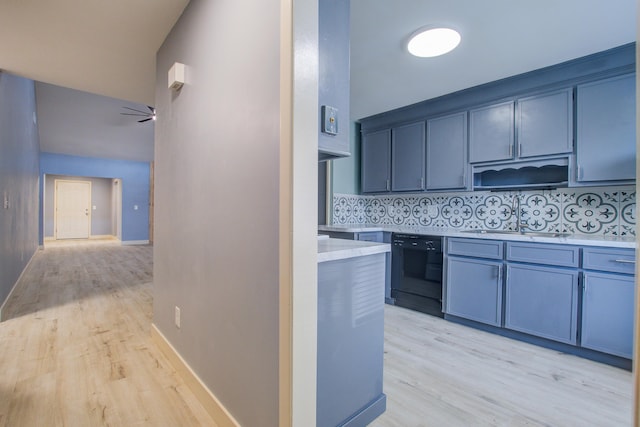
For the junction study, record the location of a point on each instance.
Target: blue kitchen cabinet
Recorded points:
(491, 133)
(607, 313)
(606, 130)
(333, 77)
(608, 300)
(541, 291)
(408, 157)
(376, 161)
(447, 152)
(542, 301)
(350, 341)
(544, 124)
(474, 290)
(474, 282)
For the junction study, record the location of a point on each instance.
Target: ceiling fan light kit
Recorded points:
(146, 115)
(176, 76)
(431, 41)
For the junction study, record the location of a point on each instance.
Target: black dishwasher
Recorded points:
(416, 273)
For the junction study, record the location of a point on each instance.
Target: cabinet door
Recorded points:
(606, 130)
(376, 161)
(491, 133)
(542, 301)
(545, 124)
(407, 158)
(474, 290)
(446, 152)
(607, 313)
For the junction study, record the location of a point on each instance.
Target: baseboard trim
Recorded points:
(207, 399)
(15, 285)
(134, 242)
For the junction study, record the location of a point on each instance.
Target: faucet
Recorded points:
(517, 211)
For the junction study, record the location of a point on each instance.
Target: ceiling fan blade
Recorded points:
(135, 114)
(145, 120)
(137, 111)
(153, 110)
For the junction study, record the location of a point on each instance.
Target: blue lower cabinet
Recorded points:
(607, 313)
(542, 301)
(350, 341)
(474, 290)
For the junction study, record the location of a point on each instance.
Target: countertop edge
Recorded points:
(337, 249)
(575, 239)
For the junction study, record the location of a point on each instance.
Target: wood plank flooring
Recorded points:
(438, 373)
(76, 352)
(76, 349)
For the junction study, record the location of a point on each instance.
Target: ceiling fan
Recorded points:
(147, 115)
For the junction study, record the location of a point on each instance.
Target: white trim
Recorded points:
(15, 285)
(103, 236)
(207, 399)
(134, 242)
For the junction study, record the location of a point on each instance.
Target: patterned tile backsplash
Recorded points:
(607, 211)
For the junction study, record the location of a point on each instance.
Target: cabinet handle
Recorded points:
(387, 185)
(519, 150)
(499, 273)
(580, 172)
(511, 151)
(625, 261)
(422, 183)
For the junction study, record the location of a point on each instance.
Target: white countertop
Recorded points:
(335, 249)
(573, 239)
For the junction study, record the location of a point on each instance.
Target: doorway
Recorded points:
(72, 214)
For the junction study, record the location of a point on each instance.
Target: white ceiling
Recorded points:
(83, 124)
(109, 47)
(500, 38)
(104, 47)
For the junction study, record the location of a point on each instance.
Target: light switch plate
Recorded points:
(329, 120)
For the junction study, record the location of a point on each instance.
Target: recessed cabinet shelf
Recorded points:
(540, 174)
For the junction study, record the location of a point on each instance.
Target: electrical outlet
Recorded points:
(177, 319)
(6, 200)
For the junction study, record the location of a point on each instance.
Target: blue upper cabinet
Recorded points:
(491, 133)
(447, 152)
(534, 126)
(545, 124)
(606, 130)
(408, 157)
(333, 78)
(376, 161)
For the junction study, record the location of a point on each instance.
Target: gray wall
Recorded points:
(19, 168)
(216, 201)
(101, 198)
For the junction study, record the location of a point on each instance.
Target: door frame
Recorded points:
(55, 205)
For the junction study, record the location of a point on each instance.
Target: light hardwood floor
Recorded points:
(438, 373)
(76, 352)
(76, 349)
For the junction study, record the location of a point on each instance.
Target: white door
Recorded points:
(73, 209)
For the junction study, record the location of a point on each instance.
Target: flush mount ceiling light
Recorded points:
(429, 42)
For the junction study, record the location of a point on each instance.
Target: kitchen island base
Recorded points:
(351, 337)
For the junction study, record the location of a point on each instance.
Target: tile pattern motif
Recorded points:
(606, 211)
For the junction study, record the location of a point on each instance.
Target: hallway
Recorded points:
(76, 347)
